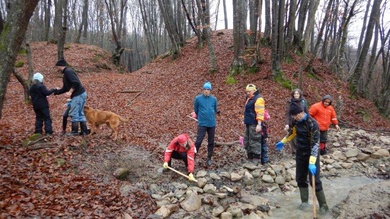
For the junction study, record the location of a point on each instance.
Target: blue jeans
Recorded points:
(77, 108)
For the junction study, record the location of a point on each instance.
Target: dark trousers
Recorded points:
(65, 119)
(43, 116)
(302, 169)
(179, 156)
(202, 130)
(323, 136)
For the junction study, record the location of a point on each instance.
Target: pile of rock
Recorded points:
(236, 191)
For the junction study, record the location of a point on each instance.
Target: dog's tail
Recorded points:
(123, 119)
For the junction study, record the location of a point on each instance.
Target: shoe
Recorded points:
(209, 162)
(323, 151)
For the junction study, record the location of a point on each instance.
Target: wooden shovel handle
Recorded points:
(180, 173)
(313, 182)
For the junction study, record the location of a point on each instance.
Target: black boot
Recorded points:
(304, 192)
(322, 202)
(84, 129)
(75, 129)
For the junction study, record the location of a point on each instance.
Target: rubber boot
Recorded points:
(209, 162)
(322, 202)
(64, 124)
(304, 198)
(84, 129)
(75, 129)
(249, 156)
(256, 159)
(323, 148)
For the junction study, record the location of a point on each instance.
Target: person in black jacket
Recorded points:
(307, 134)
(39, 93)
(73, 89)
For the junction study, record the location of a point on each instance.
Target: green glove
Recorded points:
(191, 177)
(165, 165)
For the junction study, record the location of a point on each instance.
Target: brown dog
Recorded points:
(97, 117)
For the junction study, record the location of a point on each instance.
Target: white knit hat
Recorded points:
(38, 76)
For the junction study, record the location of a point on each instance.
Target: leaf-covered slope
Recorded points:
(168, 88)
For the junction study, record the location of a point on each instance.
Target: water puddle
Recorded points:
(336, 190)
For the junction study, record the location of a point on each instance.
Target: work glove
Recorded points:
(241, 140)
(191, 177)
(165, 165)
(193, 115)
(279, 146)
(312, 165)
(286, 128)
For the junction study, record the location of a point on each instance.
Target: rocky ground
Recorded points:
(355, 176)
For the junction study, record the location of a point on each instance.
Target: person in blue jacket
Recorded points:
(205, 108)
(39, 93)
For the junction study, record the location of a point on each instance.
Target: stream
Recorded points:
(336, 190)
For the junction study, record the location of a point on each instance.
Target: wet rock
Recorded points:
(267, 179)
(218, 210)
(226, 215)
(235, 177)
(352, 153)
(192, 202)
(210, 189)
(121, 173)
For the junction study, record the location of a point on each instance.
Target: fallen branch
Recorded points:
(139, 93)
(131, 91)
(217, 144)
(36, 141)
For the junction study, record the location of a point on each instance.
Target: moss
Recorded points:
(365, 115)
(231, 80)
(252, 70)
(22, 51)
(19, 64)
(313, 76)
(280, 79)
(288, 59)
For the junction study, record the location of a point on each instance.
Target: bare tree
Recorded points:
(84, 23)
(204, 15)
(61, 33)
(356, 78)
(19, 14)
(176, 38)
(239, 19)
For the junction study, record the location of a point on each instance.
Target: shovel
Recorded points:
(313, 179)
(180, 173)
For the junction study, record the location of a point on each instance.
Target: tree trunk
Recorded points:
(176, 40)
(204, 14)
(225, 14)
(356, 78)
(63, 4)
(275, 44)
(252, 38)
(47, 7)
(267, 27)
(239, 18)
(84, 23)
(290, 25)
(18, 16)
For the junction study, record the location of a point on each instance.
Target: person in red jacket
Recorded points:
(181, 148)
(325, 115)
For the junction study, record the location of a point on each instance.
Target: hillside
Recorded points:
(72, 177)
(168, 89)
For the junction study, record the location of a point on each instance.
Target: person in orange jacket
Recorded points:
(181, 148)
(324, 113)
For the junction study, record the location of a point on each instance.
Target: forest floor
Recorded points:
(72, 177)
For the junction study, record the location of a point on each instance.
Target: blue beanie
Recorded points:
(207, 86)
